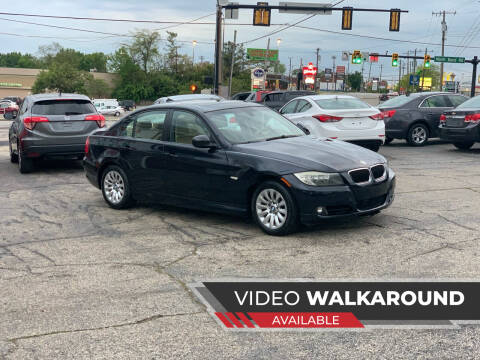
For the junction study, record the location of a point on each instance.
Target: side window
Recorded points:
(436, 102)
(126, 127)
(185, 126)
(289, 108)
(150, 125)
(457, 99)
(303, 105)
(268, 98)
(24, 107)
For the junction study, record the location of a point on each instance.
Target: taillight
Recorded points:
(473, 118)
(87, 145)
(327, 118)
(100, 119)
(30, 122)
(388, 114)
(443, 119)
(378, 116)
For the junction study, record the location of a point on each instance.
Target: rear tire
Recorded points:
(13, 156)
(117, 114)
(417, 135)
(374, 147)
(274, 209)
(388, 140)
(116, 188)
(25, 165)
(463, 145)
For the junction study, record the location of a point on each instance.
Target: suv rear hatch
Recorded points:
(68, 119)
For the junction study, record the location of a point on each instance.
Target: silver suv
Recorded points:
(51, 126)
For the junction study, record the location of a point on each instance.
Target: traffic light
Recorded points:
(394, 59)
(426, 61)
(347, 18)
(193, 88)
(261, 14)
(356, 57)
(394, 20)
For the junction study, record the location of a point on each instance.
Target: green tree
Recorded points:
(144, 48)
(355, 81)
(171, 57)
(61, 78)
(97, 88)
(97, 61)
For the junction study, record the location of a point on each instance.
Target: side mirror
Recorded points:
(202, 142)
(9, 116)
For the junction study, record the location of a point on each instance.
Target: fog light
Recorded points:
(321, 211)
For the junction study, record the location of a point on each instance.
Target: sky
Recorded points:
(297, 44)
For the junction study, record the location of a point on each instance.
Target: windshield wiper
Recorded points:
(281, 137)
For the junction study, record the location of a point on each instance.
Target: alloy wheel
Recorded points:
(114, 187)
(419, 135)
(271, 209)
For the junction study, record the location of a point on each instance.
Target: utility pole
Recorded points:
(399, 75)
(381, 69)
(290, 73)
(315, 84)
(444, 32)
(218, 49)
(232, 63)
(334, 73)
(423, 71)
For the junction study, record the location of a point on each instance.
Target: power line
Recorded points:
(381, 38)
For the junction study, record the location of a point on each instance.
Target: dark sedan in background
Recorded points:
(416, 117)
(276, 99)
(235, 157)
(51, 126)
(461, 126)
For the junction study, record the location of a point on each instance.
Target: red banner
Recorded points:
(305, 320)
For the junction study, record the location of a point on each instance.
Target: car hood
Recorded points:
(313, 153)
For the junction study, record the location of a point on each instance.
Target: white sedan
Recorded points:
(111, 110)
(339, 117)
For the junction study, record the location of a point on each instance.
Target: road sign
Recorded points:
(414, 80)
(373, 58)
(449, 59)
(261, 54)
(340, 69)
(284, 3)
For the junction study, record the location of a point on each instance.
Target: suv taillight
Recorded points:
(473, 118)
(100, 119)
(30, 122)
(443, 119)
(327, 118)
(378, 116)
(87, 145)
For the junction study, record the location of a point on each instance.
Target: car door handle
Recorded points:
(172, 154)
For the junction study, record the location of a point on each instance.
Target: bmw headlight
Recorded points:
(316, 178)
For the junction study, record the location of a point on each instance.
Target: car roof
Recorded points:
(191, 96)
(206, 106)
(57, 96)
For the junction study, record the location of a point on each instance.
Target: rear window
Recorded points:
(342, 103)
(473, 103)
(396, 101)
(63, 107)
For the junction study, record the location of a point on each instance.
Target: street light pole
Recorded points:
(194, 43)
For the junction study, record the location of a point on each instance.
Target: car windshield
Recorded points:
(396, 101)
(252, 124)
(339, 103)
(470, 103)
(63, 107)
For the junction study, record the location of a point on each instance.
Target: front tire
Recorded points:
(274, 209)
(117, 114)
(417, 135)
(116, 188)
(375, 147)
(463, 145)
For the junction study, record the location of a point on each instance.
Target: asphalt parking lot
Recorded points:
(80, 280)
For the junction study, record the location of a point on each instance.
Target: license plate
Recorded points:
(455, 122)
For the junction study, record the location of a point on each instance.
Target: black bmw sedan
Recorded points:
(235, 157)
